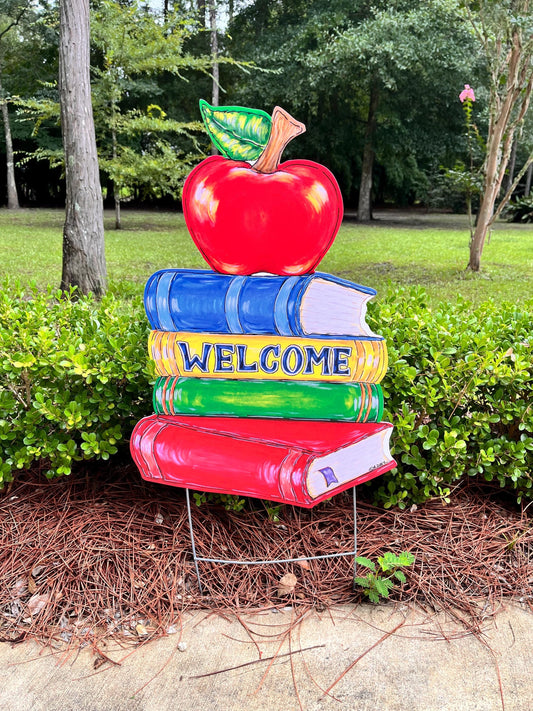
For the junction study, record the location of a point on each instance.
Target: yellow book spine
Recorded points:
(245, 357)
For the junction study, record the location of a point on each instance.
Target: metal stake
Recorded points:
(354, 535)
(198, 559)
(192, 541)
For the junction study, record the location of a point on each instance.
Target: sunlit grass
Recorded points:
(397, 249)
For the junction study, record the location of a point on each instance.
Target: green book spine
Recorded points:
(294, 400)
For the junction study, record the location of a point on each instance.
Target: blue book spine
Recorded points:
(205, 301)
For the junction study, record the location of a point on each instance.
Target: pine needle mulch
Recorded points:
(102, 555)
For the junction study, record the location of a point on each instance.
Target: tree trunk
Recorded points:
(116, 189)
(118, 216)
(83, 234)
(512, 163)
(201, 12)
(12, 195)
(215, 93)
(529, 175)
(364, 208)
(484, 218)
(494, 171)
(491, 188)
(507, 112)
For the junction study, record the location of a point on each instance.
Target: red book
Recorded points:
(293, 461)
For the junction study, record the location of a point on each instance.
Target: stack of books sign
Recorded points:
(268, 386)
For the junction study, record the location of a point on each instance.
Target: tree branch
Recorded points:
(15, 22)
(511, 190)
(513, 125)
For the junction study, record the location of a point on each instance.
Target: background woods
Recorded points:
(378, 85)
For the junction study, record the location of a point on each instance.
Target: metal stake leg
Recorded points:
(354, 535)
(191, 532)
(268, 562)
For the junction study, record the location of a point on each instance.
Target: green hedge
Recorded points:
(459, 391)
(75, 378)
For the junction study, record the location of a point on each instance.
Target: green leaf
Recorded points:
(383, 587)
(238, 133)
(400, 575)
(388, 561)
(406, 558)
(24, 361)
(373, 596)
(365, 562)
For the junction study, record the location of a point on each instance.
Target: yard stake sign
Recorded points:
(268, 374)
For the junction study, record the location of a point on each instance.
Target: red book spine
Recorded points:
(195, 453)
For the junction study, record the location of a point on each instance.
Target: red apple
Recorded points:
(272, 218)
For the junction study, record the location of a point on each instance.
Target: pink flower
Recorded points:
(467, 93)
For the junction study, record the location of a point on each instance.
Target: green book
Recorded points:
(293, 400)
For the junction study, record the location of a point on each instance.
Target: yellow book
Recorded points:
(245, 357)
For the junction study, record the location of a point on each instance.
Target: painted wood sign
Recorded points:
(268, 372)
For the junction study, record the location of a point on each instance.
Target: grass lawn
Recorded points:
(398, 248)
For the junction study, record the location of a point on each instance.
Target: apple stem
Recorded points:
(284, 129)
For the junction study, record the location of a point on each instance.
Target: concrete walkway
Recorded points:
(383, 657)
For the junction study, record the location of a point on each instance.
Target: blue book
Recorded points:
(311, 305)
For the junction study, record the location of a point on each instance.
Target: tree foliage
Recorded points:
(15, 17)
(332, 57)
(376, 83)
(140, 60)
(141, 148)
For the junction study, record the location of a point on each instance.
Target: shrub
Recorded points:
(459, 393)
(520, 210)
(73, 377)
